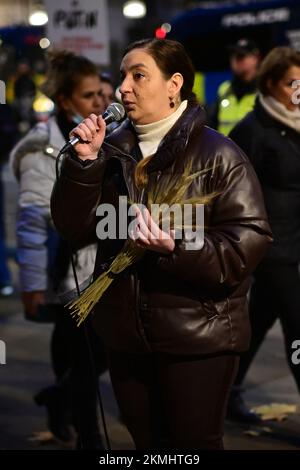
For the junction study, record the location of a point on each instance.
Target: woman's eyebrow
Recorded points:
(134, 66)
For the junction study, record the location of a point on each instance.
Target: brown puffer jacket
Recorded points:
(189, 302)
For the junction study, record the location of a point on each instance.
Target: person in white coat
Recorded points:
(74, 85)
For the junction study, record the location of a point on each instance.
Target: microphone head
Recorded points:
(117, 111)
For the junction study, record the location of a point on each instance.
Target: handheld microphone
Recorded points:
(114, 113)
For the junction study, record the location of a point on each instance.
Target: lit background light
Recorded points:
(166, 27)
(42, 104)
(44, 43)
(160, 33)
(38, 18)
(134, 9)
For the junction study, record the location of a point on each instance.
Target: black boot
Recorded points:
(237, 409)
(58, 419)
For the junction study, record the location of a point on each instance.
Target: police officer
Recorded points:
(236, 97)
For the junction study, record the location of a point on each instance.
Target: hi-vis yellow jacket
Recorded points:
(231, 110)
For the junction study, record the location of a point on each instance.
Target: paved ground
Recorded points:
(27, 370)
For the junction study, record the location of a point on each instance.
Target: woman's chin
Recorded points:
(133, 116)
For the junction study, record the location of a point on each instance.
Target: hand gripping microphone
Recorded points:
(114, 113)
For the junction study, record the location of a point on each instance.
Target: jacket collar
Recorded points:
(124, 138)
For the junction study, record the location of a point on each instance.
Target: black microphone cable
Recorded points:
(92, 362)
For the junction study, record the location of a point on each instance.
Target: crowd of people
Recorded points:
(173, 329)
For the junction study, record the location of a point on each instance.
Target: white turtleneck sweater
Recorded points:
(150, 135)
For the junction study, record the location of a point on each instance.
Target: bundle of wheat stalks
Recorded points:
(170, 191)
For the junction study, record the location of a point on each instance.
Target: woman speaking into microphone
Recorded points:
(174, 320)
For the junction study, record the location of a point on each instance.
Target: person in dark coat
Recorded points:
(174, 323)
(270, 136)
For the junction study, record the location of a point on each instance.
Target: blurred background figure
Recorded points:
(236, 98)
(8, 135)
(73, 84)
(109, 96)
(42, 106)
(108, 92)
(270, 136)
(24, 90)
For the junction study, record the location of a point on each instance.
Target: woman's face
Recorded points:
(282, 91)
(144, 90)
(86, 98)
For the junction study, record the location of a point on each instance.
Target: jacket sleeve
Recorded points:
(32, 223)
(235, 240)
(75, 198)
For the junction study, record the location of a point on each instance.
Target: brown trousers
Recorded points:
(170, 402)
